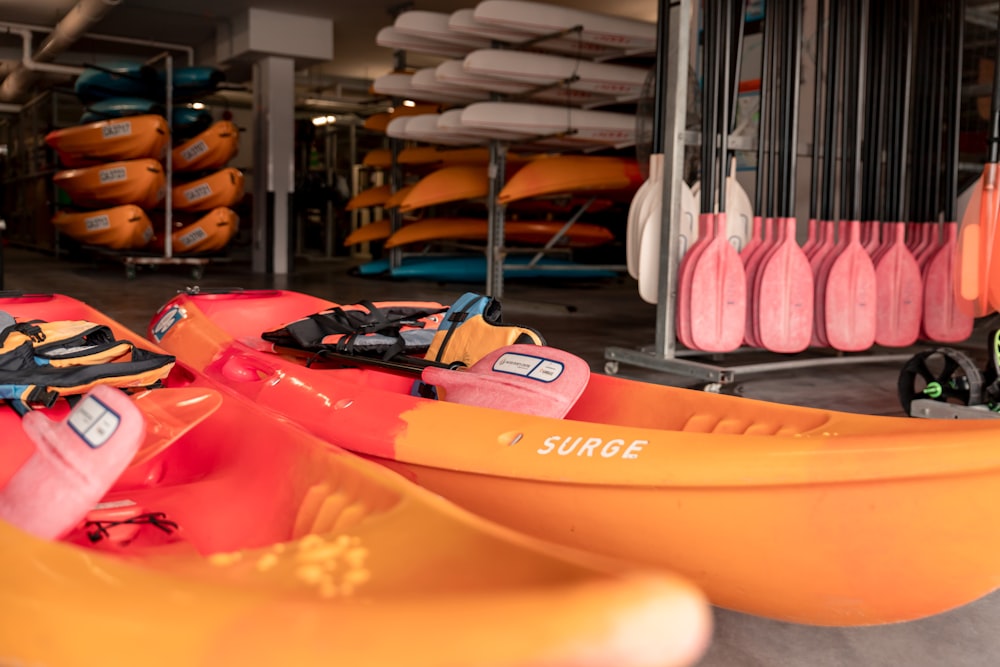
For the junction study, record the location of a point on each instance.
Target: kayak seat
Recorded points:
(527, 379)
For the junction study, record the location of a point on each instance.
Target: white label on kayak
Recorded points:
(112, 174)
(198, 192)
(96, 222)
(194, 151)
(591, 447)
(93, 421)
(121, 129)
(170, 317)
(525, 365)
(192, 237)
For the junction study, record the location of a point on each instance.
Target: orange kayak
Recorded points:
(397, 197)
(799, 514)
(221, 188)
(448, 184)
(127, 138)
(373, 196)
(378, 158)
(208, 150)
(118, 228)
(380, 121)
(539, 232)
(140, 182)
(209, 233)
(573, 174)
(246, 540)
(376, 230)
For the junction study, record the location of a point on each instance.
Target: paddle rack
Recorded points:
(674, 40)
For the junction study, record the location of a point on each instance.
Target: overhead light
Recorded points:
(409, 103)
(197, 106)
(324, 120)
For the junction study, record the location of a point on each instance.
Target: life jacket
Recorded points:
(40, 361)
(472, 328)
(382, 327)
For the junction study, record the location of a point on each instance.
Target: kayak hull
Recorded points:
(868, 519)
(286, 550)
(117, 228)
(209, 150)
(127, 138)
(210, 233)
(220, 188)
(140, 182)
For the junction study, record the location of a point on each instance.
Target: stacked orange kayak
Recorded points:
(117, 228)
(126, 138)
(140, 182)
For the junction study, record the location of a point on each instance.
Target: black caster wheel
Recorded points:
(942, 374)
(611, 368)
(198, 272)
(130, 272)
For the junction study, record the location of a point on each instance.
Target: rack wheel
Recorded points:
(611, 368)
(198, 272)
(942, 374)
(130, 272)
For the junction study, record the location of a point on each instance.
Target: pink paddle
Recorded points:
(899, 290)
(785, 295)
(821, 264)
(751, 268)
(718, 294)
(706, 222)
(943, 320)
(850, 308)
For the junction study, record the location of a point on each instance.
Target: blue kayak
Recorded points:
(144, 82)
(122, 80)
(470, 269)
(186, 121)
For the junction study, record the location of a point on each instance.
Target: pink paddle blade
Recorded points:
(850, 307)
(528, 379)
(899, 289)
(751, 266)
(944, 320)
(76, 461)
(820, 264)
(785, 296)
(706, 230)
(718, 296)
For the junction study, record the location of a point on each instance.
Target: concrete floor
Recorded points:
(586, 319)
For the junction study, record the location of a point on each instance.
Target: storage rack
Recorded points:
(674, 36)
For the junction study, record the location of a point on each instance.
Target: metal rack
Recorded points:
(673, 48)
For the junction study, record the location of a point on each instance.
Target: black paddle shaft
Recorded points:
(994, 155)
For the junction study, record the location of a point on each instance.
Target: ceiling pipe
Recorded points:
(70, 28)
(188, 51)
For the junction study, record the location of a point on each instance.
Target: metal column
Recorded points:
(274, 160)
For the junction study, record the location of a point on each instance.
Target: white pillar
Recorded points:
(274, 163)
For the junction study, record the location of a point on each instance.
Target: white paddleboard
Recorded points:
(618, 82)
(450, 122)
(464, 21)
(426, 82)
(391, 38)
(453, 72)
(425, 128)
(553, 125)
(400, 84)
(537, 18)
(434, 26)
